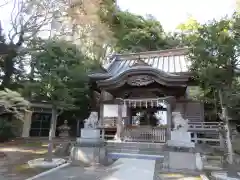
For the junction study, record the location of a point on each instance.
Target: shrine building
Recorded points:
(138, 93)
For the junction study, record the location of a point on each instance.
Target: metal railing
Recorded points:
(145, 134)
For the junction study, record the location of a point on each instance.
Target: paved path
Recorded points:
(122, 169)
(130, 169)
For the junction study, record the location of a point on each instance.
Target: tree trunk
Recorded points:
(8, 69)
(227, 137)
(52, 133)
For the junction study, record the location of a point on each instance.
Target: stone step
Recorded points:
(126, 150)
(117, 155)
(131, 147)
(134, 145)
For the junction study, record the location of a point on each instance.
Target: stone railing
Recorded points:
(203, 126)
(145, 134)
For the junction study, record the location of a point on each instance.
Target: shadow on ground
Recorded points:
(14, 156)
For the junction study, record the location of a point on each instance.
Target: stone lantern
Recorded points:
(64, 130)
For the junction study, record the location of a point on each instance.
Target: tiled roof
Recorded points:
(169, 61)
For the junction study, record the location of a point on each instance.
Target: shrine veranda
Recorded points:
(147, 83)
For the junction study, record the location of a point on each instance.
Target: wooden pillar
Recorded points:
(169, 121)
(128, 118)
(101, 115)
(221, 141)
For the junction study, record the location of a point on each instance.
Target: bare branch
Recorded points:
(28, 18)
(4, 3)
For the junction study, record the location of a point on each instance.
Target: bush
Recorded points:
(6, 131)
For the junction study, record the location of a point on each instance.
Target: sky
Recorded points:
(169, 12)
(173, 12)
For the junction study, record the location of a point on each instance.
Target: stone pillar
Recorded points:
(169, 121)
(27, 123)
(195, 137)
(119, 122)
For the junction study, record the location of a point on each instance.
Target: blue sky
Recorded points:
(169, 12)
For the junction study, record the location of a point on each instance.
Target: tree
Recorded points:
(60, 74)
(134, 33)
(186, 31)
(27, 20)
(86, 28)
(214, 50)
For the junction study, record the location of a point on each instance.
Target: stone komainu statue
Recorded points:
(91, 121)
(180, 124)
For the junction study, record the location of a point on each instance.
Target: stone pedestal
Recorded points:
(181, 153)
(180, 139)
(182, 160)
(89, 149)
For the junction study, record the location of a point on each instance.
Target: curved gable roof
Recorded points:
(171, 61)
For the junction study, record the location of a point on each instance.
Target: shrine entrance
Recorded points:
(144, 120)
(152, 116)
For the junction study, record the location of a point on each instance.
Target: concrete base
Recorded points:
(90, 133)
(183, 161)
(89, 142)
(41, 163)
(90, 148)
(88, 155)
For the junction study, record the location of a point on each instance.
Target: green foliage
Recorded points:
(60, 73)
(134, 33)
(214, 51)
(12, 108)
(5, 130)
(12, 103)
